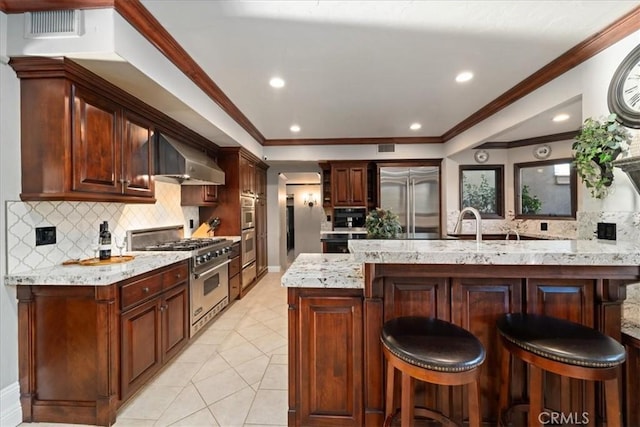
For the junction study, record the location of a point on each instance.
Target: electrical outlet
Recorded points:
(45, 236)
(544, 226)
(190, 223)
(606, 230)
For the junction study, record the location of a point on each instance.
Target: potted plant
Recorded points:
(382, 224)
(595, 148)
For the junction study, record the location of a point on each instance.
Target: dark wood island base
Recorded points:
(336, 369)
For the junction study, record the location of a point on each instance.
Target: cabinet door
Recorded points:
(175, 320)
(340, 183)
(95, 143)
(358, 186)
(210, 193)
(141, 345)
(137, 156)
(476, 305)
(247, 176)
(261, 182)
(261, 235)
(330, 361)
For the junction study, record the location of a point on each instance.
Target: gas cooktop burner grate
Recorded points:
(185, 244)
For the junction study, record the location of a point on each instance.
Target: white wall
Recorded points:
(306, 219)
(10, 412)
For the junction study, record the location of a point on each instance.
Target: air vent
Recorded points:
(51, 24)
(386, 148)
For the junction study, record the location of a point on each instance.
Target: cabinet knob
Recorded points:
(178, 276)
(145, 290)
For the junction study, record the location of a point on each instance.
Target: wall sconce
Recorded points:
(310, 200)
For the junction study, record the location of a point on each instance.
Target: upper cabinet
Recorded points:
(83, 138)
(247, 176)
(349, 183)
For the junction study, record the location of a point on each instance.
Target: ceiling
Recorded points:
(362, 69)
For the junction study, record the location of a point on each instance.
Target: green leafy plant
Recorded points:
(531, 205)
(480, 196)
(382, 224)
(595, 148)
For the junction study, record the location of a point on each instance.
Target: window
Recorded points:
(545, 189)
(482, 187)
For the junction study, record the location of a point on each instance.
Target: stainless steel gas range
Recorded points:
(209, 278)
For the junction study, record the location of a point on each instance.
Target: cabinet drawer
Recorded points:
(140, 290)
(175, 275)
(235, 250)
(234, 266)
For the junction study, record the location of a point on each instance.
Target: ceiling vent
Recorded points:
(52, 24)
(386, 148)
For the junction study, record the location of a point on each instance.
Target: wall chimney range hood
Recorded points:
(180, 163)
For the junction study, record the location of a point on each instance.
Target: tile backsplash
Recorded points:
(77, 225)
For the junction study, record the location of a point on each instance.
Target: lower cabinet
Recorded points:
(83, 350)
(631, 412)
(154, 330)
(325, 357)
(234, 272)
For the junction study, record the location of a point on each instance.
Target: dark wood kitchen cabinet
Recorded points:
(325, 357)
(349, 183)
(156, 326)
(247, 175)
(261, 222)
(83, 138)
(83, 350)
(234, 272)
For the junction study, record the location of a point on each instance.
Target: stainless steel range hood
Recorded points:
(180, 163)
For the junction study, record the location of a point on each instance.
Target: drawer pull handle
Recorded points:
(145, 290)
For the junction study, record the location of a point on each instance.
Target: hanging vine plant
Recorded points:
(595, 148)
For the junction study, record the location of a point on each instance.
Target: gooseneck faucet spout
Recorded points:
(476, 214)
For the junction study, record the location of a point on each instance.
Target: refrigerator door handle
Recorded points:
(413, 205)
(408, 207)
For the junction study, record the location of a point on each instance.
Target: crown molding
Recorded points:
(530, 141)
(353, 141)
(150, 28)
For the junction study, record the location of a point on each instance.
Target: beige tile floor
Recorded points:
(232, 374)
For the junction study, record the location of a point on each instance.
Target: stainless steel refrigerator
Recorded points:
(413, 193)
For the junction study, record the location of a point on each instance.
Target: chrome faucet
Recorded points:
(509, 232)
(476, 214)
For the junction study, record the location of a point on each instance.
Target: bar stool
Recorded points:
(564, 348)
(433, 351)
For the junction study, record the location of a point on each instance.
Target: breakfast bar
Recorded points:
(336, 364)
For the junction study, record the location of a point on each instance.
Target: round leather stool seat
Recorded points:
(435, 352)
(568, 349)
(561, 340)
(432, 344)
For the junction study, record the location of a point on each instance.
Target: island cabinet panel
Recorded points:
(476, 305)
(325, 357)
(631, 409)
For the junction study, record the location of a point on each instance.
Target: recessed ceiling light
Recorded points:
(294, 128)
(276, 82)
(415, 126)
(464, 76)
(561, 117)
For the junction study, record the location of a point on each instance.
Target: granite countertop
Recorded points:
(232, 238)
(497, 252)
(97, 275)
(324, 271)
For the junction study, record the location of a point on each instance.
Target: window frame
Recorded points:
(573, 188)
(499, 185)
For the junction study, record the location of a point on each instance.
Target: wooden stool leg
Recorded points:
(406, 408)
(612, 398)
(505, 382)
(389, 404)
(474, 404)
(535, 395)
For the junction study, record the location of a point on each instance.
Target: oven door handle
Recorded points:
(205, 273)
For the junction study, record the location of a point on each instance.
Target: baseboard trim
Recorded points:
(274, 269)
(10, 409)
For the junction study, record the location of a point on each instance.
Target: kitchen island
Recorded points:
(336, 363)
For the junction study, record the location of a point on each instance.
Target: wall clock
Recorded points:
(542, 152)
(624, 90)
(481, 156)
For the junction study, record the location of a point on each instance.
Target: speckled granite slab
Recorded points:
(496, 252)
(96, 275)
(324, 271)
